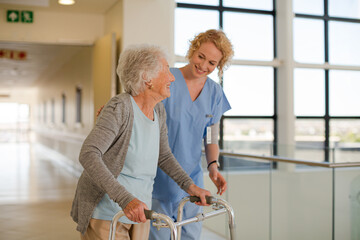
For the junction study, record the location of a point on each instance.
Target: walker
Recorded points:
(159, 220)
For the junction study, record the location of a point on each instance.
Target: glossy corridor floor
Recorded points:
(35, 195)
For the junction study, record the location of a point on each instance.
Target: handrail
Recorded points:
(290, 160)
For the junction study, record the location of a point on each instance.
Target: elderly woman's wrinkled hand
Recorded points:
(199, 192)
(134, 211)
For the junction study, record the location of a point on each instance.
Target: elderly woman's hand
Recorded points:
(134, 211)
(199, 192)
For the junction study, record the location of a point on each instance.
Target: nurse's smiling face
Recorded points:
(205, 59)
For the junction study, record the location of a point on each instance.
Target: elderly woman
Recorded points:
(122, 152)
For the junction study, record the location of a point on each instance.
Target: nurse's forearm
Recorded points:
(211, 152)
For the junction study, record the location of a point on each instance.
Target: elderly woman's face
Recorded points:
(161, 84)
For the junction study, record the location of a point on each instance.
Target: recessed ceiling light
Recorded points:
(66, 2)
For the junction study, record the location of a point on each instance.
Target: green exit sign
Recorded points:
(27, 16)
(16, 16)
(13, 16)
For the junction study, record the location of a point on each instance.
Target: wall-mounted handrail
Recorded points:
(290, 160)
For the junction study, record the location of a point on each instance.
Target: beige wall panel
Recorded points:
(52, 27)
(114, 20)
(104, 55)
(114, 24)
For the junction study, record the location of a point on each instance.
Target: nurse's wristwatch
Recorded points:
(215, 161)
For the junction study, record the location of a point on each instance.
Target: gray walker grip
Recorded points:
(148, 214)
(209, 199)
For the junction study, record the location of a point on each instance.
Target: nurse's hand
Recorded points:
(199, 192)
(217, 179)
(134, 211)
(99, 110)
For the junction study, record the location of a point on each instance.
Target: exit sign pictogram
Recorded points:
(27, 16)
(13, 16)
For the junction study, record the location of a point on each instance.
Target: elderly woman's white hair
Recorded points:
(139, 64)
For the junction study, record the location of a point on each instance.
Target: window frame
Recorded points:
(275, 63)
(326, 67)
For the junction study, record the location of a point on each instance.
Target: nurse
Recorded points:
(193, 114)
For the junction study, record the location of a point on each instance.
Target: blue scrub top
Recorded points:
(187, 121)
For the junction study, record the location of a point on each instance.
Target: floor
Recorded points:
(36, 194)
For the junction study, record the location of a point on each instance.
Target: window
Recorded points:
(252, 35)
(344, 38)
(78, 104)
(309, 92)
(52, 110)
(63, 108)
(327, 77)
(308, 40)
(190, 22)
(14, 122)
(45, 112)
(249, 90)
(344, 93)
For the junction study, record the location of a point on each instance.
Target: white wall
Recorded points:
(149, 21)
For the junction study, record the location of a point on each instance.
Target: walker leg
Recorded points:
(169, 223)
(180, 214)
(231, 217)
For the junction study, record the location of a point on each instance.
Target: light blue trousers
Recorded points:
(190, 231)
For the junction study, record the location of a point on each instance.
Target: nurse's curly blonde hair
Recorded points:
(221, 42)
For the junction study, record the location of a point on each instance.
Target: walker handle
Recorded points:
(148, 213)
(209, 199)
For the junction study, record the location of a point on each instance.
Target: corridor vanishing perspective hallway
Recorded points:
(35, 195)
(36, 191)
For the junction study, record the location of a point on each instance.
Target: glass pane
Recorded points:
(247, 192)
(345, 139)
(309, 92)
(313, 7)
(190, 22)
(250, 136)
(214, 75)
(310, 137)
(344, 93)
(250, 90)
(251, 35)
(344, 39)
(308, 40)
(202, 2)
(260, 4)
(302, 203)
(344, 8)
(347, 203)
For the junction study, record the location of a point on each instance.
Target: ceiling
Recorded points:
(24, 73)
(80, 6)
